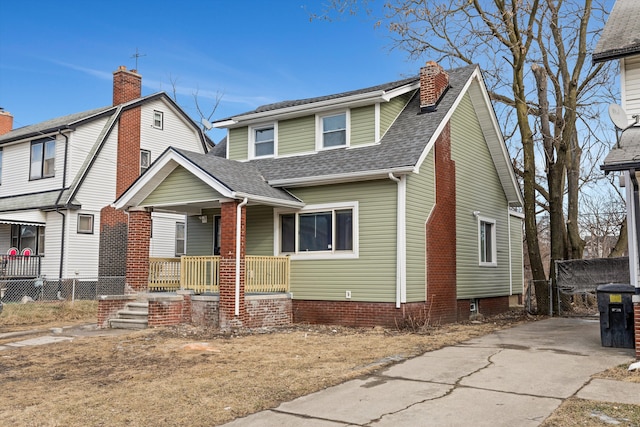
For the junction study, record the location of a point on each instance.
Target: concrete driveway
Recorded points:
(514, 377)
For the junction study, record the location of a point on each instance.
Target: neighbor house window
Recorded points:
(158, 119)
(25, 236)
(319, 230)
(332, 130)
(263, 141)
(43, 158)
(85, 224)
(180, 238)
(145, 160)
(487, 242)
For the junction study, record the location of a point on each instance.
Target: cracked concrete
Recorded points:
(517, 376)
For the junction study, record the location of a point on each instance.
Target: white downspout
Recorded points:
(238, 236)
(510, 254)
(401, 240)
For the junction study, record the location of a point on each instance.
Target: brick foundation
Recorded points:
(205, 310)
(166, 310)
(636, 326)
(486, 307)
(268, 310)
(441, 236)
(356, 314)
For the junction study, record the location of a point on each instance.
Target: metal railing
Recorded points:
(263, 274)
(19, 266)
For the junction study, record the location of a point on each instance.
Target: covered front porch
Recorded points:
(201, 274)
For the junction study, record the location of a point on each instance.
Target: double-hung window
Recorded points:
(43, 158)
(263, 143)
(333, 130)
(145, 160)
(180, 238)
(158, 119)
(319, 231)
(85, 224)
(487, 252)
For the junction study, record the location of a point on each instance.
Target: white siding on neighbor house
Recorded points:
(163, 242)
(16, 161)
(81, 143)
(175, 132)
(82, 249)
(50, 266)
(5, 238)
(99, 187)
(630, 82)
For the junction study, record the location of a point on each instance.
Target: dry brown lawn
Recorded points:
(186, 376)
(198, 377)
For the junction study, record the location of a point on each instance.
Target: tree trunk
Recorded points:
(623, 242)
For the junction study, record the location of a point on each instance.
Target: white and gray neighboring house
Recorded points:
(59, 177)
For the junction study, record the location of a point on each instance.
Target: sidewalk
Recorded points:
(514, 377)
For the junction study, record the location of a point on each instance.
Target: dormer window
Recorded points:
(333, 130)
(43, 158)
(263, 141)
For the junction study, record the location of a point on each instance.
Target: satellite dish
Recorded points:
(208, 126)
(618, 116)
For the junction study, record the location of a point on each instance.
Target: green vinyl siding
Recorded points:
(363, 124)
(420, 202)
(297, 136)
(238, 143)
(517, 241)
(370, 277)
(259, 230)
(180, 186)
(477, 189)
(390, 110)
(200, 235)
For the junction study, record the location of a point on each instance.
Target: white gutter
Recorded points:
(338, 178)
(401, 239)
(238, 236)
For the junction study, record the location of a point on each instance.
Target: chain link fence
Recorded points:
(28, 296)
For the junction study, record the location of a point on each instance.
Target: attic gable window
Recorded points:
(43, 158)
(263, 140)
(158, 119)
(332, 130)
(145, 160)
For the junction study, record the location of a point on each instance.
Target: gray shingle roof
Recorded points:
(49, 126)
(241, 177)
(621, 34)
(44, 200)
(296, 102)
(626, 154)
(401, 146)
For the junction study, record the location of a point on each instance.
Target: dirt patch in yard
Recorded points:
(200, 377)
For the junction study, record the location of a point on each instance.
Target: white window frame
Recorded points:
(329, 254)
(144, 168)
(42, 160)
(85, 231)
(158, 120)
(320, 129)
(494, 247)
(184, 239)
(252, 139)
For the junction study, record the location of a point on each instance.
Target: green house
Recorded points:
(391, 201)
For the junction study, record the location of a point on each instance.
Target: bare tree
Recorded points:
(534, 56)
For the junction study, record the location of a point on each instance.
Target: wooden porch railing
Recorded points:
(263, 274)
(266, 274)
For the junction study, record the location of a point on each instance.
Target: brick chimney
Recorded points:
(6, 122)
(434, 81)
(127, 85)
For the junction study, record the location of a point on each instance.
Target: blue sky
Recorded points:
(57, 57)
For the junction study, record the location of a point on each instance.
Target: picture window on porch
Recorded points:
(180, 239)
(85, 224)
(320, 231)
(43, 158)
(487, 251)
(25, 236)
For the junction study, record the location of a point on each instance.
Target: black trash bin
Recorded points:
(616, 315)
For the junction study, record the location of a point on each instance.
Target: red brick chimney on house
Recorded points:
(434, 81)
(127, 85)
(6, 122)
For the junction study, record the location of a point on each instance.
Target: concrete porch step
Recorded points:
(138, 306)
(128, 323)
(129, 314)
